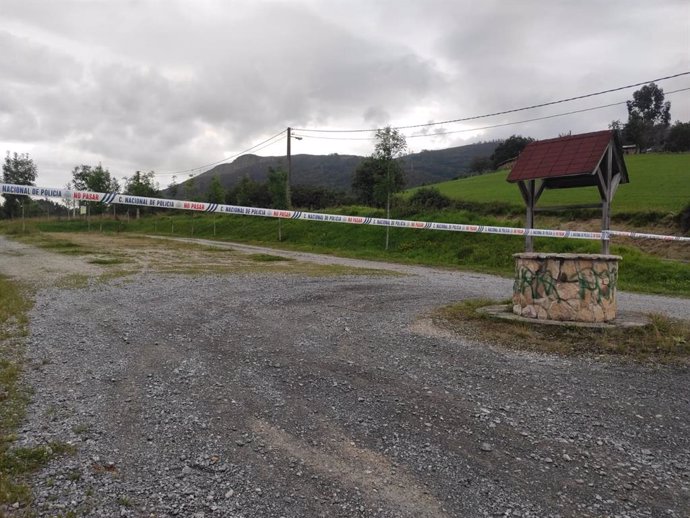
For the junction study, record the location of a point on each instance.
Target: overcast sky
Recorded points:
(170, 85)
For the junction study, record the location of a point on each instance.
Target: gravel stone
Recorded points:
(336, 396)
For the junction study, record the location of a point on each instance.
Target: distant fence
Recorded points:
(162, 203)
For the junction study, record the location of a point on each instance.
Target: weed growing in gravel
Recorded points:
(54, 243)
(107, 260)
(645, 268)
(663, 339)
(124, 501)
(74, 281)
(81, 428)
(268, 258)
(15, 463)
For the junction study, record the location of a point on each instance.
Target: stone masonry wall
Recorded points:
(566, 287)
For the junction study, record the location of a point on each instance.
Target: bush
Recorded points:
(429, 198)
(678, 137)
(684, 219)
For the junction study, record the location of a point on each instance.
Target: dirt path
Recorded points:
(38, 267)
(259, 392)
(487, 286)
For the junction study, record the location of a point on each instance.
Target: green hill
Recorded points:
(659, 182)
(335, 171)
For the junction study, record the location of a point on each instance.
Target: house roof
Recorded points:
(574, 155)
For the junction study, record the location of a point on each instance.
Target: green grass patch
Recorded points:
(14, 304)
(268, 258)
(16, 463)
(73, 281)
(105, 261)
(52, 243)
(663, 339)
(659, 182)
(639, 271)
(218, 249)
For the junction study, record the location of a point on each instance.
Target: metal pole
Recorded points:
(23, 222)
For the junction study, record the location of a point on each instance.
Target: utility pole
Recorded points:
(288, 194)
(289, 169)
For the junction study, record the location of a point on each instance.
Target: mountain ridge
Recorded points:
(335, 171)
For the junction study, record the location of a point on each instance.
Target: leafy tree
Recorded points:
(190, 192)
(649, 117)
(44, 207)
(142, 184)
(678, 137)
(426, 198)
(173, 187)
(379, 176)
(616, 125)
(313, 197)
(648, 103)
(390, 146)
(368, 174)
(95, 179)
(19, 170)
(277, 188)
(250, 193)
(509, 148)
(216, 193)
(479, 164)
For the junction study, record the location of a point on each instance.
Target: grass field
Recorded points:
(16, 462)
(479, 252)
(659, 182)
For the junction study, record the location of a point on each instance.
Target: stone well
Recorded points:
(566, 287)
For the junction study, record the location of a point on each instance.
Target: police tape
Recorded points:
(160, 203)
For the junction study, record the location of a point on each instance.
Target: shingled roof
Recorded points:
(588, 159)
(575, 156)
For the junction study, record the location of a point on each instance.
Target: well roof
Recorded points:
(573, 155)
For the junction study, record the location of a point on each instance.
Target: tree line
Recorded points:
(648, 128)
(374, 182)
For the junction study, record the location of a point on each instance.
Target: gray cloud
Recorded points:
(169, 85)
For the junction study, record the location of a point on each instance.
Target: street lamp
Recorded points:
(288, 196)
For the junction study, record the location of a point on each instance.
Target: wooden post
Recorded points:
(388, 202)
(288, 197)
(606, 205)
(529, 223)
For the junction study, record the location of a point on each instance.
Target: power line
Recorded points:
(467, 130)
(266, 143)
(256, 150)
(253, 148)
(504, 112)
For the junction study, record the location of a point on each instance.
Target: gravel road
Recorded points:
(256, 394)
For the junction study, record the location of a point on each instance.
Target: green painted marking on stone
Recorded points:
(603, 290)
(534, 280)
